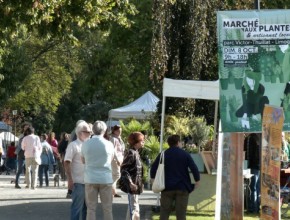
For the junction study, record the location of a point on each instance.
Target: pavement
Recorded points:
(51, 203)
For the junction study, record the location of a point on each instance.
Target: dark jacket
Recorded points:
(132, 168)
(62, 147)
(18, 151)
(177, 163)
(253, 102)
(252, 147)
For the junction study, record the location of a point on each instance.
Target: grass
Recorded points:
(202, 215)
(201, 204)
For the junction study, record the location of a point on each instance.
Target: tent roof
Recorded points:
(139, 109)
(191, 89)
(8, 136)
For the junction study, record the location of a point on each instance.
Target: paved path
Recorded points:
(50, 203)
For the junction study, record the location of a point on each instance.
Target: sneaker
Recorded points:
(117, 196)
(17, 187)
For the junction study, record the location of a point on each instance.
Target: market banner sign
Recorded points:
(270, 162)
(254, 67)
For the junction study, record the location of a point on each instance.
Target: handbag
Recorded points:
(159, 181)
(123, 182)
(36, 154)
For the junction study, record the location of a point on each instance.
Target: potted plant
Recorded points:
(177, 125)
(194, 152)
(199, 132)
(133, 125)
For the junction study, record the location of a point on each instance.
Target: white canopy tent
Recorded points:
(141, 108)
(8, 136)
(189, 89)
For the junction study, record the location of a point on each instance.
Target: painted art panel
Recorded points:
(254, 67)
(270, 167)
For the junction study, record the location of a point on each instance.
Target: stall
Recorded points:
(194, 89)
(141, 108)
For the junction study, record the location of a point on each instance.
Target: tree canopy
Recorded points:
(61, 61)
(184, 46)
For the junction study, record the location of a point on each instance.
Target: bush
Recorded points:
(199, 131)
(133, 126)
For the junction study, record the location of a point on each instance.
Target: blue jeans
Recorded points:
(254, 200)
(78, 205)
(43, 169)
(11, 163)
(20, 166)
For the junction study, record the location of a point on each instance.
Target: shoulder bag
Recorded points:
(159, 181)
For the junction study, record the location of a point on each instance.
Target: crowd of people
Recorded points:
(37, 156)
(92, 162)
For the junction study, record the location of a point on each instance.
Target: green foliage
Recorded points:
(196, 128)
(211, 132)
(191, 148)
(61, 61)
(114, 64)
(152, 147)
(184, 39)
(58, 17)
(177, 125)
(35, 79)
(145, 172)
(199, 131)
(133, 126)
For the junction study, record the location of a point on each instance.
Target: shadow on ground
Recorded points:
(56, 211)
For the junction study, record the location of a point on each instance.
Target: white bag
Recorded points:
(159, 181)
(37, 156)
